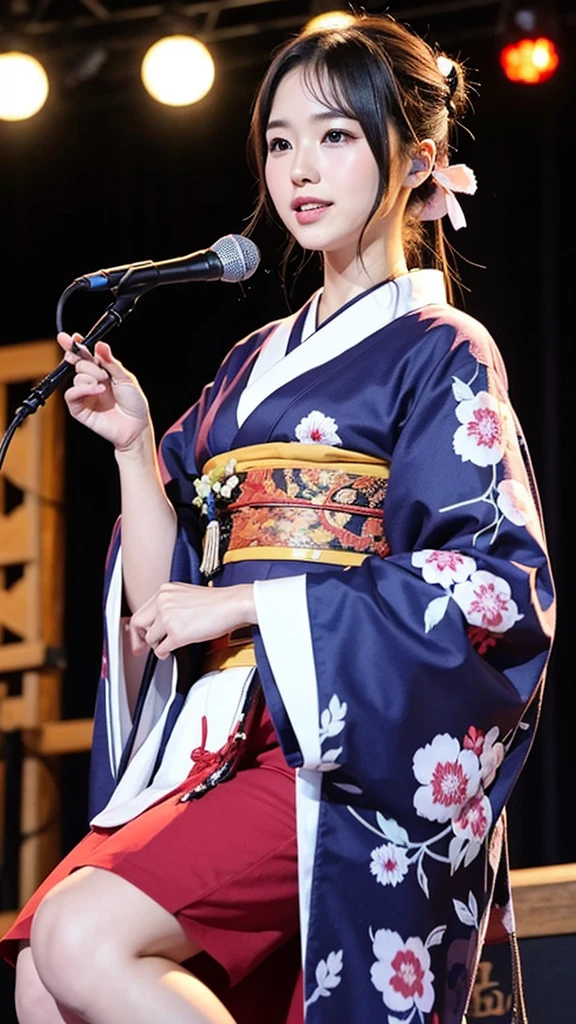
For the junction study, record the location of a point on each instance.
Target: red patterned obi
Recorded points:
(303, 502)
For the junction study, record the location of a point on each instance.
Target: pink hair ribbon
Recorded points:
(449, 179)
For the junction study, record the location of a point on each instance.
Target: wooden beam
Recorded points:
(65, 737)
(20, 656)
(545, 900)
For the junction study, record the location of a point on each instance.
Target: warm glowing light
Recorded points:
(530, 61)
(178, 70)
(332, 19)
(24, 86)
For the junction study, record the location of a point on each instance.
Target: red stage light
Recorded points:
(530, 61)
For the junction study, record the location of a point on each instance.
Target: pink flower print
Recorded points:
(389, 864)
(475, 819)
(402, 972)
(515, 502)
(482, 437)
(485, 600)
(443, 567)
(316, 428)
(491, 756)
(449, 777)
(474, 740)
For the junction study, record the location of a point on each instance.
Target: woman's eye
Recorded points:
(337, 135)
(278, 145)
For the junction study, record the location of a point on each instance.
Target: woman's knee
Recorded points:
(90, 926)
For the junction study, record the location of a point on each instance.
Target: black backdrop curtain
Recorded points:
(88, 186)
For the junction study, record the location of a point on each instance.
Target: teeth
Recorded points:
(312, 206)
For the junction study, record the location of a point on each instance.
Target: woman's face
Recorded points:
(320, 171)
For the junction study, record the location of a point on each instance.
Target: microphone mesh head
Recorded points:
(238, 255)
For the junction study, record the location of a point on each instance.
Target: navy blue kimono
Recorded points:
(405, 690)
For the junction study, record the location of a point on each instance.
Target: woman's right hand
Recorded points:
(104, 396)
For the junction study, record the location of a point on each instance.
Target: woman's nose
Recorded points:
(304, 170)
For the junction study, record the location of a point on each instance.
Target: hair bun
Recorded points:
(453, 75)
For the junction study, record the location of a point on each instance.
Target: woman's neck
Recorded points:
(345, 276)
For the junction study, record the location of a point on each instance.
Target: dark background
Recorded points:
(105, 175)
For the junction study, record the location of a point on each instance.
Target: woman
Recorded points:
(399, 657)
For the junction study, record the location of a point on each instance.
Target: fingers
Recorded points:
(90, 374)
(72, 345)
(140, 623)
(113, 367)
(77, 353)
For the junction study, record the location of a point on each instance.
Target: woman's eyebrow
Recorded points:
(324, 115)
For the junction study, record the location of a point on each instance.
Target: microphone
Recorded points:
(231, 258)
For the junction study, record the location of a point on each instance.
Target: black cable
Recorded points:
(18, 418)
(74, 287)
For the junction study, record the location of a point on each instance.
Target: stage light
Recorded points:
(178, 70)
(330, 19)
(529, 54)
(530, 61)
(24, 86)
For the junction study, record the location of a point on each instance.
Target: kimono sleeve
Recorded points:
(119, 736)
(406, 663)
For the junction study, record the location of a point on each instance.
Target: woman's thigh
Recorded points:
(93, 908)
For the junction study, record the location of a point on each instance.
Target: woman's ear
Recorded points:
(422, 164)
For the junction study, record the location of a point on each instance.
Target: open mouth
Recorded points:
(305, 207)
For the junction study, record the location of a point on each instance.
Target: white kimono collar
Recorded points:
(363, 317)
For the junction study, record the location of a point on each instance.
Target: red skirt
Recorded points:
(226, 867)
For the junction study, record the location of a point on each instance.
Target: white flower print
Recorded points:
(443, 567)
(389, 864)
(453, 779)
(316, 428)
(485, 434)
(486, 600)
(475, 819)
(482, 437)
(491, 756)
(402, 972)
(515, 502)
(449, 776)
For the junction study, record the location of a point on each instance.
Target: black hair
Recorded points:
(379, 73)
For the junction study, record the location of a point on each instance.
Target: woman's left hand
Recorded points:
(181, 613)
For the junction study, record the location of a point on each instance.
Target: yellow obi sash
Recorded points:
(304, 502)
(233, 650)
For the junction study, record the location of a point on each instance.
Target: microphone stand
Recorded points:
(127, 294)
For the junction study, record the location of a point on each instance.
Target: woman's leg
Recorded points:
(110, 953)
(34, 1004)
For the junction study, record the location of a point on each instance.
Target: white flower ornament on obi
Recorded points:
(316, 428)
(449, 777)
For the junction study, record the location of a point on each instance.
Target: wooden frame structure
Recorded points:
(31, 619)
